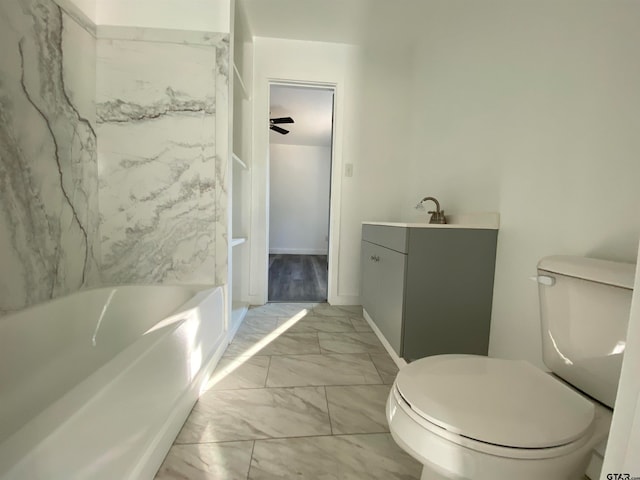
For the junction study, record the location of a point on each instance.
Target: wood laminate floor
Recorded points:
(297, 278)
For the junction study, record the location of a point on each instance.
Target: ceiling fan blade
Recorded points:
(279, 130)
(275, 121)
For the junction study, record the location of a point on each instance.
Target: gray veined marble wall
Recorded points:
(48, 165)
(113, 154)
(162, 167)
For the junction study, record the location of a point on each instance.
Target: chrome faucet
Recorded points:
(438, 215)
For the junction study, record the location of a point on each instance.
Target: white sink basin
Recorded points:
(483, 221)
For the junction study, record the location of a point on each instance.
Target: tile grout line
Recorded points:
(325, 352)
(317, 435)
(302, 354)
(266, 377)
(326, 397)
(221, 442)
(376, 367)
(253, 448)
(312, 385)
(269, 439)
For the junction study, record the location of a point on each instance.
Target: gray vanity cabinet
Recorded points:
(429, 290)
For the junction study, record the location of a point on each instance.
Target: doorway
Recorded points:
(300, 163)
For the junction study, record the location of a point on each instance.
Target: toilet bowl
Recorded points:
(470, 417)
(492, 419)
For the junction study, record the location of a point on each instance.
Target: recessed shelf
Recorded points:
(245, 92)
(238, 241)
(239, 161)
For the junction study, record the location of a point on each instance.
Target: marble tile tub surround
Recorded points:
(162, 178)
(289, 409)
(49, 220)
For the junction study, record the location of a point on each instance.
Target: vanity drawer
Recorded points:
(394, 238)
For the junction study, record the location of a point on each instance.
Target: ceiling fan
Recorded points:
(274, 122)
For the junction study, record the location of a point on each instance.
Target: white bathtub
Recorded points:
(96, 385)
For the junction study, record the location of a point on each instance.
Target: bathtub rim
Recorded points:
(196, 287)
(30, 436)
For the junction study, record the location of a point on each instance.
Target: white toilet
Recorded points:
(479, 418)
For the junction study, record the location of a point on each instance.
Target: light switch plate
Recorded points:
(348, 169)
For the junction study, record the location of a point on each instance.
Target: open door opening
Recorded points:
(300, 152)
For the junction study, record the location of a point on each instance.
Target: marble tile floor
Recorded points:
(299, 393)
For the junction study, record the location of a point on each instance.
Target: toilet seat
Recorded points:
(503, 407)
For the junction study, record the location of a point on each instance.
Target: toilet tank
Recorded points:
(584, 307)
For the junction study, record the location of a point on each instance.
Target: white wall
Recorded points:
(624, 440)
(370, 107)
(527, 109)
(300, 176)
(331, 64)
(201, 15)
(530, 109)
(86, 7)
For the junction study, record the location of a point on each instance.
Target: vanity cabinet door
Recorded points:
(370, 279)
(449, 292)
(383, 274)
(391, 266)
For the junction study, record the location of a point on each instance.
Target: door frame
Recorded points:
(334, 189)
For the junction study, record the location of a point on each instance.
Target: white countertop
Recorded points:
(479, 221)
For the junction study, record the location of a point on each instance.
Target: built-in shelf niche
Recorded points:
(243, 87)
(238, 241)
(239, 161)
(240, 188)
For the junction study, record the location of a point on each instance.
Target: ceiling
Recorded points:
(355, 22)
(314, 20)
(312, 110)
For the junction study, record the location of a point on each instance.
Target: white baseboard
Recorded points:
(298, 251)
(344, 300)
(400, 362)
(239, 311)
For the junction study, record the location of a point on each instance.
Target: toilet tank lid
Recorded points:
(618, 274)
